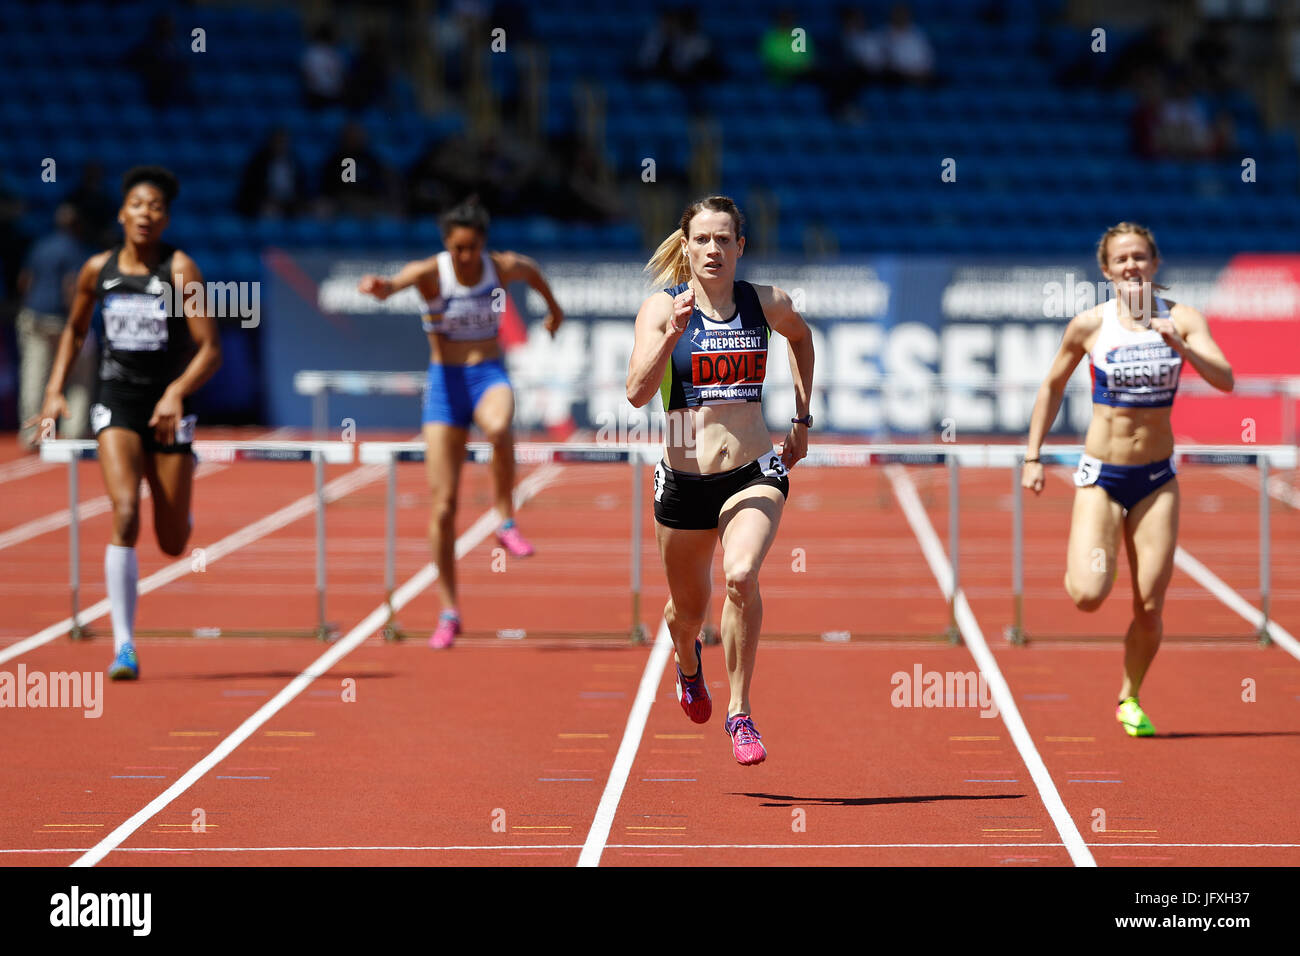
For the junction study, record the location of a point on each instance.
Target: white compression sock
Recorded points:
(121, 572)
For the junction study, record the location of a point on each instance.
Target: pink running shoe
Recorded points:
(515, 542)
(693, 694)
(445, 634)
(746, 742)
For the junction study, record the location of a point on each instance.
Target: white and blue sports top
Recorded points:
(1133, 369)
(466, 313)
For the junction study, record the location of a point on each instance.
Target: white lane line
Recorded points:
(636, 721)
(486, 523)
(58, 519)
(634, 846)
(1214, 584)
(98, 505)
(14, 470)
(905, 491)
(304, 506)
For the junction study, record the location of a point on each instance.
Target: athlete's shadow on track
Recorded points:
(785, 800)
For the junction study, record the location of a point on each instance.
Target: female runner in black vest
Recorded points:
(702, 343)
(153, 360)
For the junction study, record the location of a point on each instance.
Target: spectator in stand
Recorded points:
(1211, 57)
(1144, 125)
(435, 181)
(273, 183)
(14, 241)
(47, 284)
(365, 186)
(515, 89)
(370, 77)
(1153, 48)
(451, 35)
(514, 18)
(571, 185)
(1184, 126)
(1176, 126)
(161, 64)
(1223, 135)
(96, 209)
(678, 50)
(858, 57)
(1293, 59)
(907, 49)
(654, 57)
(693, 57)
(590, 197)
(787, 56)
(323, 70)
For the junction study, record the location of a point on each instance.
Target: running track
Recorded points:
(568, 745)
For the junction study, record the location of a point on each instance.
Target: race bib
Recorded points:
(135, 323)
(1088, 472)
(660, 480)
(771, 465)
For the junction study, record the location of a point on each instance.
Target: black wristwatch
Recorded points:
(806, 420)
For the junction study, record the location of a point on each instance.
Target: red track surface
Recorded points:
(497, 753)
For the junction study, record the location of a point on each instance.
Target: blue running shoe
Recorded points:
(125, 666)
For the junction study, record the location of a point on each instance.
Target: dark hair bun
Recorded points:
(162, 178)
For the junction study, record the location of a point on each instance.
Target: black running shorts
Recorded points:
(131, 407)
(694, 502)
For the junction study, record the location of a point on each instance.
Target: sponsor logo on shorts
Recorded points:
(100, 416)
(185, 429)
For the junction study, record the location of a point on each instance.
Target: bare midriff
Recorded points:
(1129, 436)
(445, 351)
(715, 438)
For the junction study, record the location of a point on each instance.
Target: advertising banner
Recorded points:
(905, 346)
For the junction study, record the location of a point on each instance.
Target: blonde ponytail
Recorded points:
(669, 264)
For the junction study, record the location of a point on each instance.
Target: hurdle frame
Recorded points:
(953, 455)
(388, 454)
(320, 453)
(1262, 457)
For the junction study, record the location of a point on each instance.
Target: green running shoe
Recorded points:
(1133, 719)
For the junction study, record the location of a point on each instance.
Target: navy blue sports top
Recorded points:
(713, 362)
